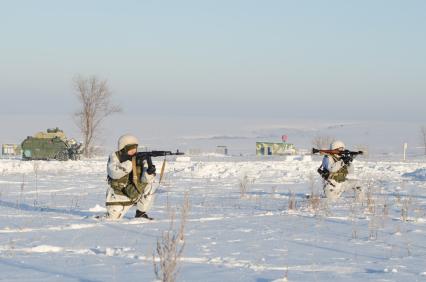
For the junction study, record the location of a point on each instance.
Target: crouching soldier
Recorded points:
(335, 167)
(130, 183)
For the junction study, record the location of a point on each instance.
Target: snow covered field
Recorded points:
(249, 220)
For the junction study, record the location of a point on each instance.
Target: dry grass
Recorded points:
(370, 199)
(423, 136)
(36, 168)
(406, 205)
(184, 215)
(314, 198)
(170, 246)
(354, 208)
(21, 191)
(373, 227)
(243, 185)
(292, 204)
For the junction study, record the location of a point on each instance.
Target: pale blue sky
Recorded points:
(301, 59)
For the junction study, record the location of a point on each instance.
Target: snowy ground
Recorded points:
(47, 232)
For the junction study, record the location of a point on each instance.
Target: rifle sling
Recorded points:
(163, 167)
(135, 175)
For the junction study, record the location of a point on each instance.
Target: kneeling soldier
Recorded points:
(130, 183)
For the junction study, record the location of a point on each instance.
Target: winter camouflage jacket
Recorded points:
(121, 180)
(117, 170)
(337, 168)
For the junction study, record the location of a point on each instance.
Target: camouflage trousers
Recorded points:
(118, 204)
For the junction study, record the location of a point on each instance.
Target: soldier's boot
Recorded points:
(141, 214)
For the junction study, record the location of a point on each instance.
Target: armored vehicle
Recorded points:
(50, 145)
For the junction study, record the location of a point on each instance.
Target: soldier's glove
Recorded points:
(151, 170)
(324, 173)
(347, 159)
(123, 156)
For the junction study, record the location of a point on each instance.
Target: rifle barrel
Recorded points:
(154, 154)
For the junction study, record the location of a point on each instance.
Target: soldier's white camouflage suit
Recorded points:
(117, 170)
(334, 191)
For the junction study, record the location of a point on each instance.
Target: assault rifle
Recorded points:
(147, 156)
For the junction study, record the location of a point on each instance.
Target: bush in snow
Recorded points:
(171, 245)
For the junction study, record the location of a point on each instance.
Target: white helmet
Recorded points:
(337, 145)
(127, 139)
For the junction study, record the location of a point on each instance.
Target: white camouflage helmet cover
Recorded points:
(127, 139)
(337, 145)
